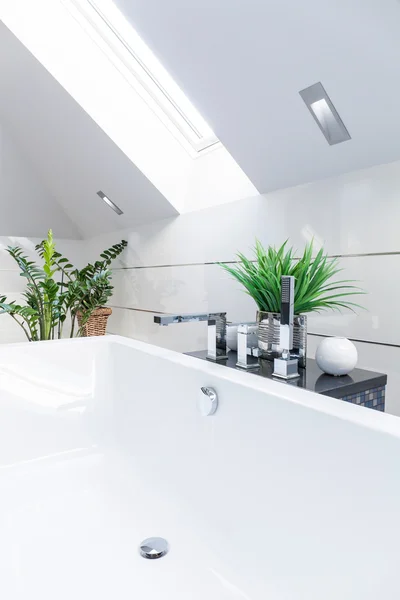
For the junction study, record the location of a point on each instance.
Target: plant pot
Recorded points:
(269, 337)
(97, 322)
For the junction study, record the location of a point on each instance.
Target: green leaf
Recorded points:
(48, 301)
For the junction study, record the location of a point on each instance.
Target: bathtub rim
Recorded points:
(361, 416)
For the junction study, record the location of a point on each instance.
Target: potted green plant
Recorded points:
(85, 292)
(315, 290)
(57, 291)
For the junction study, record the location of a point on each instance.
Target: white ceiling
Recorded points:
(28, 209)
(69, 152)
(243, 62)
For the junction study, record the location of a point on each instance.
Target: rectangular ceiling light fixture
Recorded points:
(325, 114)
(110, 203)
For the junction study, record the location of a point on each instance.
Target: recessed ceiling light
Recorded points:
(325, 114)
(110, 203)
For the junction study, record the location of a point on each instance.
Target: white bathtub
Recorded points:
(281, 495)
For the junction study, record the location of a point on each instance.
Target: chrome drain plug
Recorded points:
(154, 547)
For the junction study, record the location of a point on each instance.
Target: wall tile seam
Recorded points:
(234, 262)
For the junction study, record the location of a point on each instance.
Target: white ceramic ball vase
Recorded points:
(336, 356)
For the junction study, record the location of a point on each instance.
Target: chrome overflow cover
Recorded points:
(208, 401)
(154, 547)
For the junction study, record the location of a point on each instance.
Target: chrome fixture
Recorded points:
(247, 346)
(110, 203)
(154, 547)
(216, 346)
(208, 401)
(286, 367)
(325, 114)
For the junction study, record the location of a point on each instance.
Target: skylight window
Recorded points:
(113, 33)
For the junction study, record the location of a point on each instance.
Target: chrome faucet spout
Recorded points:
(216, 337)
(172, 319)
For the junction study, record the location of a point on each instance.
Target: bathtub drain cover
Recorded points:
(154, 547)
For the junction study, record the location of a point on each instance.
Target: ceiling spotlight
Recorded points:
(110, 203)
(325, 114)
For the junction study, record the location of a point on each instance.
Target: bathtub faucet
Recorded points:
(216, 346)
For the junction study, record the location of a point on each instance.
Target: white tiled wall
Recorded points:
(355, 216)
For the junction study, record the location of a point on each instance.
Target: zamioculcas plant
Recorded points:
(38, 316)
(84, 290)
(57, 290)
(315, 288)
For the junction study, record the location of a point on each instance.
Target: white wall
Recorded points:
(27, 209)
(27, 206)
(170, 266)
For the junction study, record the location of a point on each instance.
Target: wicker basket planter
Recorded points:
(97, 322)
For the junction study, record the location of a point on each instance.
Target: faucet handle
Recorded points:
(247, 346)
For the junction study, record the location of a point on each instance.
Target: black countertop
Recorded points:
(312, 378)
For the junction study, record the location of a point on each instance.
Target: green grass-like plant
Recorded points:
(314, 288)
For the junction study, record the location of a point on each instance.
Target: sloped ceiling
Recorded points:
(71, 155)
(243, 62)
(28, 208)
